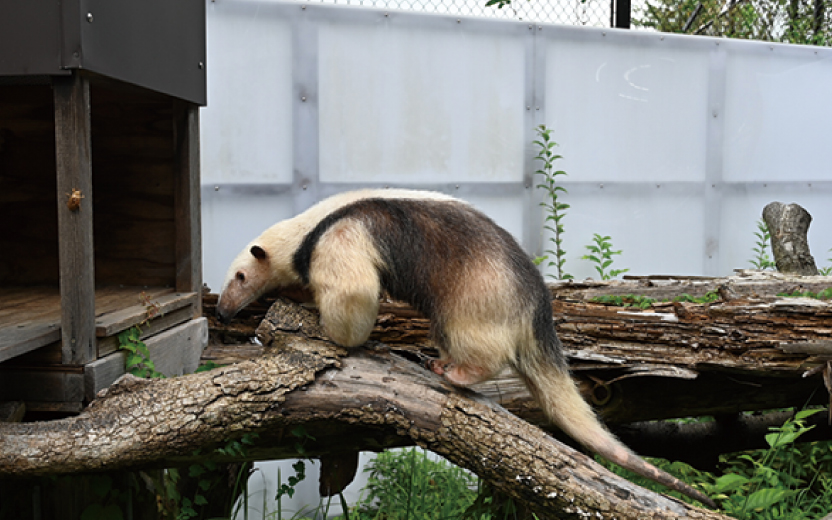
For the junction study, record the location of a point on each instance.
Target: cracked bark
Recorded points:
(748, 351)
(788, 225)
(371, 398)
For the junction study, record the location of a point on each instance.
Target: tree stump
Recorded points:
(788, 225)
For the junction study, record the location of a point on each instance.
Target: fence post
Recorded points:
(622, 10)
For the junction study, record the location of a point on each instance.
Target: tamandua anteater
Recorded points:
(488, 304)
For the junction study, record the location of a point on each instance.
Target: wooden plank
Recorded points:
(75, 225)
(30, 318)
(117, 321)
(174, 352)
(187, 203)
(134, 175)
(18, 305)
(109, 344)
(28, 216)
(26, 337)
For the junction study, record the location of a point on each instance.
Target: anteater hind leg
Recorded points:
(459, 374)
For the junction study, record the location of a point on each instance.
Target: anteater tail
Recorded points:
(551, 385)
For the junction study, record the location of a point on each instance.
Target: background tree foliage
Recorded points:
(786, 21)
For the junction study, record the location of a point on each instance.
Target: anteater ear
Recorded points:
(258, 252)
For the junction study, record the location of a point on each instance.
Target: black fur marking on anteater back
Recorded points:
(423, 243)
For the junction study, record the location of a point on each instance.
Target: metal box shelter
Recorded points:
(99, 192)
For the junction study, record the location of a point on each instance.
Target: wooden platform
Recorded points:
(30, 318)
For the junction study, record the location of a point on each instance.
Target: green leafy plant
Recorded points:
(625, 300)
(600, 254)
(708, 297)
(170, 500)
(109, 499)
(825, 294)
(826, 271)
(773, 485)
(138, 360)
(556, 209)
(761, 259)
(408, 483)
(207, 366)
(644, 302)
(788, 22)
(288, 488)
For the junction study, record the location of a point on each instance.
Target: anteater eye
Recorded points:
(241, 276)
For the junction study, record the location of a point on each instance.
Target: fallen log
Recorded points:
(745, 351)
(369, 399)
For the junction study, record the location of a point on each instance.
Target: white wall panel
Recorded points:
(625, 111)
(246, 129)
(414, 100)
(507, 212)
(657, 232)
(420, 105)
(778, 114)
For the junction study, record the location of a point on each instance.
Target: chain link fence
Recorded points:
(568, 12)
(788, 21)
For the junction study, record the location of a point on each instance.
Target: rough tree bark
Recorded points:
(674, 359)
(357, 401)
(788, 225)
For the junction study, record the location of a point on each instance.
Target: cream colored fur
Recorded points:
(343, 276)
(280, 242)
(482, 334)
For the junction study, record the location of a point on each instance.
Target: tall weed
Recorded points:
(410, 485)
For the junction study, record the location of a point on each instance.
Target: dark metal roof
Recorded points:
(155, 44)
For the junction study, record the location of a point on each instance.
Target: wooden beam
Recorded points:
(43, 386)
(110, 344)
(26, 337)
(187, 203)
(122, 319)
(75, 232)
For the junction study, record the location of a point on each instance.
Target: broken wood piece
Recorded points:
(814, 348)
(338, 470)
(788, 226)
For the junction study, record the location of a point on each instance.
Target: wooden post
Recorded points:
(75, 205)
(187, 203)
